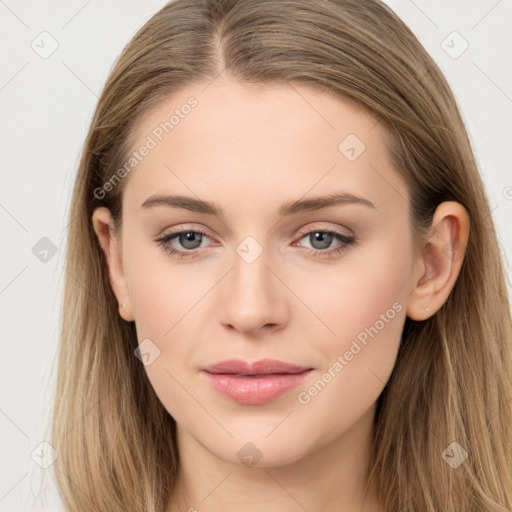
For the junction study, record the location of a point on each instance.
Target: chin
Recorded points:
(259, 451)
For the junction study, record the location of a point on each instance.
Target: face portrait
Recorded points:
(308, 248)
(267, 260)
(273, 299)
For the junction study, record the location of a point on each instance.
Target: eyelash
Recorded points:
(164, 242)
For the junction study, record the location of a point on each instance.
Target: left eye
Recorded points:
(324, 239)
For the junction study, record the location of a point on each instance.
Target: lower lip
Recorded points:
(255, 390)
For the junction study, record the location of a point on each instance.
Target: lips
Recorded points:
(257, 368)
(254, 383)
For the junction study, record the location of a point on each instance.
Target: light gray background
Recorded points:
(46, 106)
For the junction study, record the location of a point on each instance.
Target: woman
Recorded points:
(284, 284)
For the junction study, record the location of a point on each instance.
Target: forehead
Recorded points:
(220, 138)
(288, 111)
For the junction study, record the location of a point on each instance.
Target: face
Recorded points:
(275, 273)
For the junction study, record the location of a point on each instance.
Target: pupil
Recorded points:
(323, 238)
(187, 240)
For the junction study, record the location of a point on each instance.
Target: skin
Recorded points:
(250, 149)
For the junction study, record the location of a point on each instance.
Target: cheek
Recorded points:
(366, 315)
(161, 292)
(362, 308)
(363, 290)
(167, 302)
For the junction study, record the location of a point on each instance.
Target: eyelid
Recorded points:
(301, 233)
(187, 227)
(317, 227)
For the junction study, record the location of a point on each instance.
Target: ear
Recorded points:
(441, 260)
(104, 228)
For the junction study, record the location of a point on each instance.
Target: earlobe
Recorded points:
(104, 229)
(441, 260)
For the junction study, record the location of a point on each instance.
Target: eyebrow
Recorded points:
(287, 209)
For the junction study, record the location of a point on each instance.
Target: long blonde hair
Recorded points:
(452, 381)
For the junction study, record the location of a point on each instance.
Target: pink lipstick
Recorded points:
(255, 383)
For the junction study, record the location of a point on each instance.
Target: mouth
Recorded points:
(259, 368)
(264, 375)
(255, 383)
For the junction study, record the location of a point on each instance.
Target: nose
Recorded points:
(253, 299)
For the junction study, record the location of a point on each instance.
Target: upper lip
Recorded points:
(262, 367)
